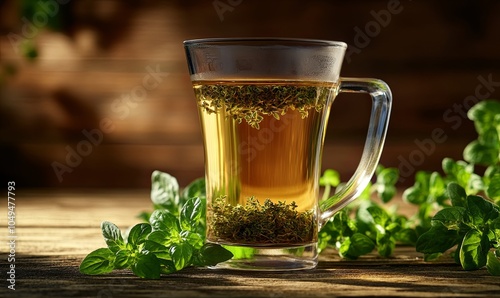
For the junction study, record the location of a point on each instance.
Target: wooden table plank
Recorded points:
(55, 232)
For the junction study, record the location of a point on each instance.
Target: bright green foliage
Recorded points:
(364, 226)
(469, 224)
(173, 238)
(457, 210)
(485, 150)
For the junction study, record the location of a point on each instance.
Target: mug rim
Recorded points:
(263, 41)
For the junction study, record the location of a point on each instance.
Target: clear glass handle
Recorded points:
(377, 130)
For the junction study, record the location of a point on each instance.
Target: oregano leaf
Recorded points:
(474, 250)
(147, 266)
(457, 194)
(100, 261)
(181, 254)
(493, 264)
(191, 213)
(138, 234)
(113, 236)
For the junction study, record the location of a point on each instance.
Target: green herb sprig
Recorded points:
(365, 225)
(457, 211)
(173, 238)
(472, 224)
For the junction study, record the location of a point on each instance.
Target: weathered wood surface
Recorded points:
(56, 230)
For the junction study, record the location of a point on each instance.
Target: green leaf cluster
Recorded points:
(472, 224)
(458, 208)
(171, 240)
(365, 225)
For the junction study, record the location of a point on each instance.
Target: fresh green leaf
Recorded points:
(463, 173)
(167, 266)
(330, 177)
(212, 254)
(165, 191)
(159, 250)
(449, 166)
(437, 239)
(385, 244)
(457, 194)
(191, 214)
(474, 250)
(147, 266)
(196, 240)
(493, 189)
(387, 176)
(406, 236)
(483, 114)
(194, 189)
(113, 236)
(437, 186)
(418, 193)
(100, 261)
(123, 259)
(356, 245)
(493, 264)
(341, 224)
(480, 210)
(481, 154)
(387, 193)
(181, 254)
(475, 184)
(451, 217)
(164, 220)
(495, 228)
(138, 234)
(379, 215)
(166, 237)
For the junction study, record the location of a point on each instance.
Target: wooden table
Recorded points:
(56, 230)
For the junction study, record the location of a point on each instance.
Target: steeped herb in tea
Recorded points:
(256, 224)
(251, 101)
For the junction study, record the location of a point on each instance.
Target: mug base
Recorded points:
(270, 258)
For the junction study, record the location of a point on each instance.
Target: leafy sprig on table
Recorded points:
(452, 216)
(171, 240)
(365, 225)
(471, 222)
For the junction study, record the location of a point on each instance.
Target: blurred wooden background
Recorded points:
(92, 54)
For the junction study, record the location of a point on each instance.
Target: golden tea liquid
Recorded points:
(263, 146)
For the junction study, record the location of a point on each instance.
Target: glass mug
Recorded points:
(263, 105)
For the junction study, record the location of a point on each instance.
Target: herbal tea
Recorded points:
(263, 146)
(264, 105)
